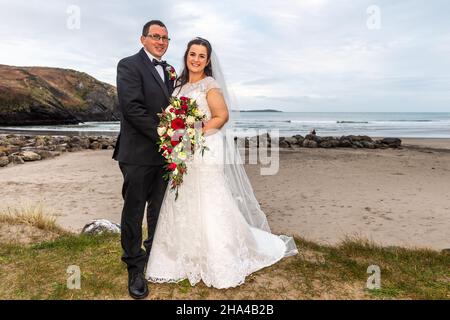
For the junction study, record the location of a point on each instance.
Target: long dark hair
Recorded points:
(184, 77)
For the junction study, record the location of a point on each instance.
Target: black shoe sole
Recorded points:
(145, 295)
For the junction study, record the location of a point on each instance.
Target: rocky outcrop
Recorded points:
(41, 95)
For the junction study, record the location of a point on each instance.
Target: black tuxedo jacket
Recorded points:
(142, 94)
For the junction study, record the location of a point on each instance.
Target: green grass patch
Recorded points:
(39, 271)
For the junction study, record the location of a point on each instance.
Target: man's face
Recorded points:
(156, 47)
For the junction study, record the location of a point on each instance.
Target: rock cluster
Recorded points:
(314, 141)
(18, 149)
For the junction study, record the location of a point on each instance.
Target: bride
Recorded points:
(215, 231)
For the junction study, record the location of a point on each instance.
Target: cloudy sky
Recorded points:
(303, 55)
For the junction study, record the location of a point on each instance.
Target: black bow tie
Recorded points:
(161, 63)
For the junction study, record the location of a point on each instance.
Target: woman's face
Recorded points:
(197, 58)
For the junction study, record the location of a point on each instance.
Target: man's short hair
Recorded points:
(150, 23)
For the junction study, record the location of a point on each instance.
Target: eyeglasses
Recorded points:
(157, 37)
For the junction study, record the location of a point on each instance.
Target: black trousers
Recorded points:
(142, 185)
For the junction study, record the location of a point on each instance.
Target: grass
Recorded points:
(39, 270)
(32, 216)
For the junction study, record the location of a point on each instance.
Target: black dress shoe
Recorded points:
(137, 285)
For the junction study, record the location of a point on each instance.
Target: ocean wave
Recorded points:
(351, 121)
(405, 120)
(245, 121)
(313, 121)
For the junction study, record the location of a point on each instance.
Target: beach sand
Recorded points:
(396, 197)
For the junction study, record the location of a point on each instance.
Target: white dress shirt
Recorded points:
(158, 67)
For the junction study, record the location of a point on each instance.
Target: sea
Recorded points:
(374, 124)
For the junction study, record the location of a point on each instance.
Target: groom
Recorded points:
(144, 85)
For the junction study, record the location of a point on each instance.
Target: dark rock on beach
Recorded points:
(392, 142)
(100, 226)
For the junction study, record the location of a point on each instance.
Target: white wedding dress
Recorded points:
(203, 235)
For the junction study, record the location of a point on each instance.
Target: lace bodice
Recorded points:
(204, 235)
(198, 91)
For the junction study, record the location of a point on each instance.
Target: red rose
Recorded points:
(184, 99)
(172, 166)
(177, 124)
(174, 142)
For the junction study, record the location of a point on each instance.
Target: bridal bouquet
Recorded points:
(180, 136)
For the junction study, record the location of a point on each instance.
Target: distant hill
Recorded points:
(41, 95)
(260, 110)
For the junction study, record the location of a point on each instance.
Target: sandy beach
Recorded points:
(395, 197)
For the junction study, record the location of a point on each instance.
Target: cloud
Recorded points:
(294, 55)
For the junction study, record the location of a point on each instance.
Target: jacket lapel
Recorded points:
(169, 83)
(172, 84)
(155, 73)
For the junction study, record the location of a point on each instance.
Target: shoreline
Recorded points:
(116, 133)
(57, 133)
(5, 132)
(427, 143)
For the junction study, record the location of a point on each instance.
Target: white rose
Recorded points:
(191, 132)
(198, 113)
(161, 130)
(190, 120)
(179, 146)
(170, 132)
